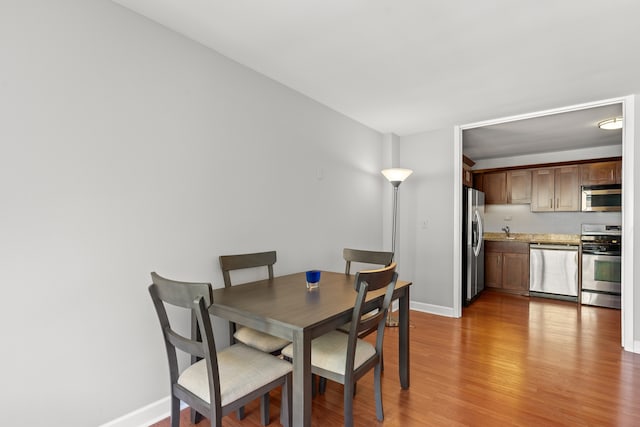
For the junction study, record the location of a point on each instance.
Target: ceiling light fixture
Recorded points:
(611, 124)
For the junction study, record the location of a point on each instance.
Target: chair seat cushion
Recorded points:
(242, 370)
(329, 352)
(259, 340)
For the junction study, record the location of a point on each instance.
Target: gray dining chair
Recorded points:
(251, 337)
(345, 358)
(380, 258)
(218, 382)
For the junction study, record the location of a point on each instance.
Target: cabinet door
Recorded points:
(619, 172)
(493, 269)
(495, 188)
(599, 173)
(515, 272)
(519, 186)
(567, 189)
(467, 177)
(542, 190)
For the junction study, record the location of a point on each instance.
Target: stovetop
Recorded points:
(601, 230)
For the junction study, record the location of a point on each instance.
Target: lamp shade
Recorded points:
(396, 175)
(611, 124)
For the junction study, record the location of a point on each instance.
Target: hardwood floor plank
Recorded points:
(510, 360)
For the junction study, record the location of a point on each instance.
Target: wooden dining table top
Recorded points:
(285, 300)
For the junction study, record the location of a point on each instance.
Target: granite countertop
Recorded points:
(548, 238)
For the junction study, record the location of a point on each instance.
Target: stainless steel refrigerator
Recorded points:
(472, 244)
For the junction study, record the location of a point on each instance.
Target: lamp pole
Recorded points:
(395, 177)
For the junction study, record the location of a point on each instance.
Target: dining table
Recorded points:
(284, 307)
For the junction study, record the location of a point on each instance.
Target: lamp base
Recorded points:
(392, 321)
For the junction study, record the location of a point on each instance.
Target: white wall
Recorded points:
(125, 148)
(520, 219)
(425, 217)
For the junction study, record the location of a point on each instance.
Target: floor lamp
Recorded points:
(395, 177)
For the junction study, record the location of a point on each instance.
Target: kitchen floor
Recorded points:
(510, 360)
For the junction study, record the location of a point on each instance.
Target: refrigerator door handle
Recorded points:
(478, 232)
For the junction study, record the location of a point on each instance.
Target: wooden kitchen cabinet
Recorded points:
(492, 269)
(467, 175)
(507, 266)
(494, 185)
(519, 186)
(555, 189)
(507, 187)
(601, 173)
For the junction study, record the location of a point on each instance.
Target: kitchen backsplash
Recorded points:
(522, 220)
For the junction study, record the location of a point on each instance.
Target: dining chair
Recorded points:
(248, 336)
(345, 358)
(219, 382)
(367, 257)
(381, 258)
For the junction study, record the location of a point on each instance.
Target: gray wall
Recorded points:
(426, 217)
(124, 149)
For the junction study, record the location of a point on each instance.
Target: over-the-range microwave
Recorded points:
(602, 198)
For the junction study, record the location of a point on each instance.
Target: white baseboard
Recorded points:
(145, 416)
(431, 309)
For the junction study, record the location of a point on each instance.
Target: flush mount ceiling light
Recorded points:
(611, 124)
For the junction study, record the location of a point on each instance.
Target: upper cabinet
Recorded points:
(555, 189)
(519, 186)
(494, 186)
(601, 173)
(505, 187)
(467, 175)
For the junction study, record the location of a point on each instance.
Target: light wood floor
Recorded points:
(509, 360)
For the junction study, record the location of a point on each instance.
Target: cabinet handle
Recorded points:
(550, 203)
(558, 203)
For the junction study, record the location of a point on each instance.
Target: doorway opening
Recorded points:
(520, 140)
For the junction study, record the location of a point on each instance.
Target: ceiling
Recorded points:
(411, 66)
(546, 134)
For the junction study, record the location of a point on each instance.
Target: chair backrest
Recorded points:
(242, 261)
(367, 257)
(368, 281)
(196, 297)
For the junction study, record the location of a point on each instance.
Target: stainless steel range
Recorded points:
(601, 265)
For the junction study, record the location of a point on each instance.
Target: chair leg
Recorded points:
(378, 391)
(264, 409)
(322, 385)
(348, 405)
(175, 412)
(195, 416)
(286, 402)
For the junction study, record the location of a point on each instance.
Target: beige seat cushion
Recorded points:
(242, 370)
(329, 352)
(259, 340)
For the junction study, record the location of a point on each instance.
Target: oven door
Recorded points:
(601, 273)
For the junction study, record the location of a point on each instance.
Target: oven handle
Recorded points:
(601, 253)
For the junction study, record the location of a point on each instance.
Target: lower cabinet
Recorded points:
(506, 266)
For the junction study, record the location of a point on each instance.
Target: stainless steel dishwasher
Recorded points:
(553, 271)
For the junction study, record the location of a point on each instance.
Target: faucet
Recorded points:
(506, 230)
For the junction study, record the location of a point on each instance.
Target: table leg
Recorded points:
(301, 379)
(403, 350)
